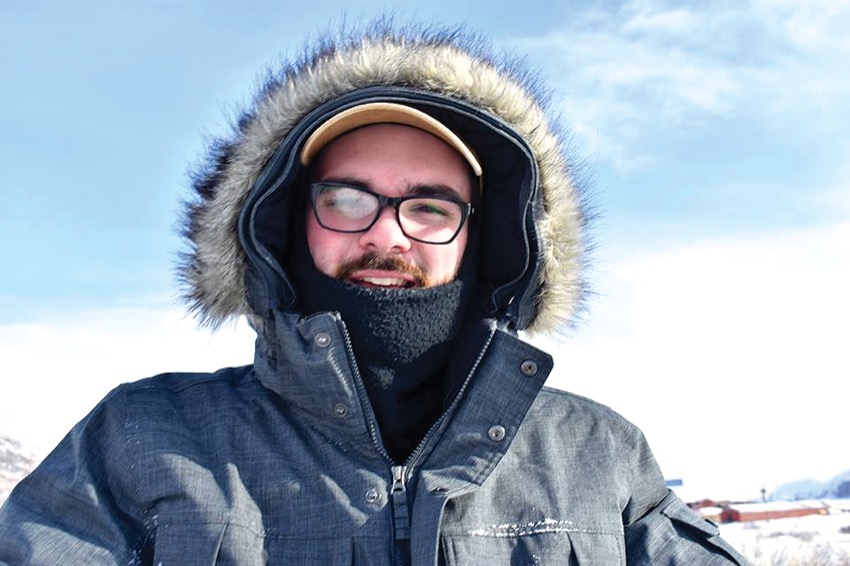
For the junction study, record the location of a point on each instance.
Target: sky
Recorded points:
(717, 140)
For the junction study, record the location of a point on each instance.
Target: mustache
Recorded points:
(383, 263)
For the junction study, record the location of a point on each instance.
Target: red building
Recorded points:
(739, 512)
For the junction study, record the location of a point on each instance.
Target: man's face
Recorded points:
(391, 160)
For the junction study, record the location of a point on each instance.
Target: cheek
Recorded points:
(460, 247)
(320, 242)
(445, 261)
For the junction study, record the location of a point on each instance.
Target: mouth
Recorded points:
(378, 272)
(383, 279)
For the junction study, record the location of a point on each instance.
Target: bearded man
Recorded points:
(388, 215)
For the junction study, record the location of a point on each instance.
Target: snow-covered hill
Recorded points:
(837, 487)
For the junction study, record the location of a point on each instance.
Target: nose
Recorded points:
(385, 235)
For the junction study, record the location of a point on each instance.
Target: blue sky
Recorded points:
(717, 137)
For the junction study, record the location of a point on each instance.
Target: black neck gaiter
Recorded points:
(402, 339)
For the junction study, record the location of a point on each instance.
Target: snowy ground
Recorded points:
(816, 540)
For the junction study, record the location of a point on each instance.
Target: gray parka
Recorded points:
(281, 461)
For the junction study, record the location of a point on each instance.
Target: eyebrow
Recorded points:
(420, 189)
(440, 190)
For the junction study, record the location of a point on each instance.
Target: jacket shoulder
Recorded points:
(556, 404)
(175, 386)
(167, 406)
(590, 433)
(179, 382)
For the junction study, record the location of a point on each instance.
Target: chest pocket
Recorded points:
(228, 543)
(535, 548)
(204, 544)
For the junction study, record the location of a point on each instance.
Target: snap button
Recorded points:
(340, 410)
(372, 496)
(323, 339)
(528, 368)
(496, 433)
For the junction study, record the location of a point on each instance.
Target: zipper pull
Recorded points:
(398, 494)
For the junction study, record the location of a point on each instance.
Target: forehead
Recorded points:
(391, 158)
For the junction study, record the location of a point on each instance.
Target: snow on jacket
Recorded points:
(281, 461)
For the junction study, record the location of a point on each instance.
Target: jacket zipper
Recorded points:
(398, 495)
(362, 395)
(400, 474)
(398, 489)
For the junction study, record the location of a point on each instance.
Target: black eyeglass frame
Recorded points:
(466, 209)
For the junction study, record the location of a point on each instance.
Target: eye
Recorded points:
(432, 211)
(346, 201)
(428, 208)
(326, 199)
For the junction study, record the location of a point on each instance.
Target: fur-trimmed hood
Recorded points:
(533, 242)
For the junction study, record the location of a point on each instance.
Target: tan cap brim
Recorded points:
(383, 113)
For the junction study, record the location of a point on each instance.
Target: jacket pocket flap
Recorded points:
(207, 544)
(676, 510)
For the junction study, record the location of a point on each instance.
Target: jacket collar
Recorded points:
(308, 363)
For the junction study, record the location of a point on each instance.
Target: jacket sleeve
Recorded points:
(69, 510)
(660, 528)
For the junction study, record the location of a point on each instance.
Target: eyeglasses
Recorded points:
(431, 219)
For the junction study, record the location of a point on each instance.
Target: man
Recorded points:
(388, 216)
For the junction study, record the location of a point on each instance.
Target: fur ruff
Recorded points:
(450, 62)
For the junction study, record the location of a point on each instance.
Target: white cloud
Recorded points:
(676, 21)
(814, 25)
(730, 354)
(836, 200)
(627, 72)
(57, 368)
